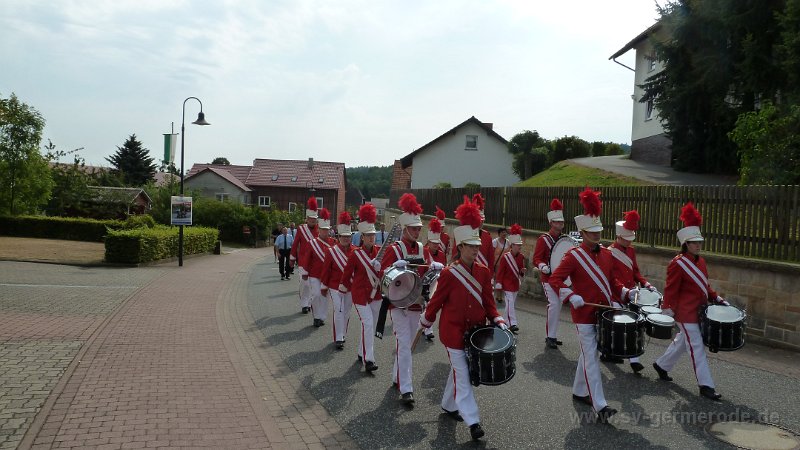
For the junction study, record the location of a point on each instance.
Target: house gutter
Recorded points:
(623, 65)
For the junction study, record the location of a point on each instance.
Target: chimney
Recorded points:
(488, 124)
(310, 163)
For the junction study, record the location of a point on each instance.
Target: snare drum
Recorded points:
(659, 326)
(722, 327)
(621, 333)
(402, 287)
(491, 355)
(646, 298)
(647, 310)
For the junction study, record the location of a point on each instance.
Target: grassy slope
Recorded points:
(568, 174)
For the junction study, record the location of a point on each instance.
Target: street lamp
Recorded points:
(201, 120)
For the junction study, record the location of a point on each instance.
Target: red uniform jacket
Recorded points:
(395, 252)
(315, 257)
(356, 278)
(582, 282)
(300, 243)
(507, 275)
(682, 293)
(626, 270)
(461, 311)
(541, 254)
(440, 257)
(333, 266)
(445, 244)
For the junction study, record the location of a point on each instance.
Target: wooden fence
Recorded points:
(748, 221)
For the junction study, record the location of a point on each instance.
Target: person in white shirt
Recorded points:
(380, 235)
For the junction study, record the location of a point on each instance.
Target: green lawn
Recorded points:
(568, 174)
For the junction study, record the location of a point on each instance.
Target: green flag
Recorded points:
(170, 143)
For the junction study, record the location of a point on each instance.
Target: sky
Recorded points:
(362, 82)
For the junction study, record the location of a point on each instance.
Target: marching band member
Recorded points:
(541, 259)
(438, 255)
(685, 291)
(314, 262)
(362, 279)
(405, 321)
(301, 248)
(444, 237)
(590, 269)
(625, 267)
(486, 254)
(332, 269)
(464, 296)
(510, 271)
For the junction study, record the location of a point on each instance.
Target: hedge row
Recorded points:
(141, 245)
(68, 228)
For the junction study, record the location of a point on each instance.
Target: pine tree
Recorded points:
(132, 163)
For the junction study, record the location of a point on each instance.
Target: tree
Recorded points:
(472, 185)
(443, 185)
(522, 146)
(70, 182)
(769, 145)
(25, 181)
(374, 181)
(133, 163)
(598, 148)
(613, 149)
(569, 147)
(221, 160)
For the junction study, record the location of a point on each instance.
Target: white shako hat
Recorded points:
(515, 234)
(435, 231)
(592, 207)
(311, 208)
(556, 213)
(692, 220)
(469, 215)
(367, 215)
(626, 229)
(411, 211)
(343, 227)
(324, 219)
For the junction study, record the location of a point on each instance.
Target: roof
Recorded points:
(407, 160)
(108, 194)
(635, 41)
(165, 178)
(240, 172)
(223, 174)
(296, 173)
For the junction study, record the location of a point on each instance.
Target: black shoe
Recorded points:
(360, 359)
(304, 310)
(430, 337)
(559, 342)
(321, 322)
(371, 366)
(663, 374)
(604, 414)
(551, 343)
(339, 345)
(476, 431)
(317, 323)
(454, 415)
(513, 328)
(637, 367)
(611, 359)
(395, 385)
(407, 398)
(287, 277)
(587, 400)
(283, 278)
(709, 393)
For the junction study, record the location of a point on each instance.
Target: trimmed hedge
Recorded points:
(141, 245)
(68, 228)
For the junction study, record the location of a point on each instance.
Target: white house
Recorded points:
(648, 142)
(472, 152)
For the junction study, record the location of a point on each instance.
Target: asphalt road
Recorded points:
(533, 410)
(653, 173)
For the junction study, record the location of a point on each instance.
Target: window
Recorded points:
(275, 177)
(651, 61)
(649, 109)
(294, 179)
(321, 180)
(292, 207)
(319, 202)
(222, 197)
(263, 201)
(472, 142)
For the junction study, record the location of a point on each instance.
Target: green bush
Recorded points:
(140, 245)
(139, 221)
(57, 227)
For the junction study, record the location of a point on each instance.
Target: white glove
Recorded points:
(545, 269)
(498, 286)
(668, 312)
(650, 287)
(376, 264)
(632, 294)
(424, 323)
(577, 301)
(302, 271)
(342, 289)
(400, 263)
(722, 301)
(502, 326)
(437, 265)
(616, 305)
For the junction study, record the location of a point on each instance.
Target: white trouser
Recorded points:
(458, 395)
(305, 291)
(366, 340)
(511, 313)
(319, 304)
(404, 324)
(689, 339)
(587, 375)
(553, 311)
(342, 303)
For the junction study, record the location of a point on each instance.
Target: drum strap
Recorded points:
(621, 257)
(468, 281)
(593, 271)
(317, 246)
(549, 241)
(402, 252)
(339, 257)
(694, 273)
(512, 262)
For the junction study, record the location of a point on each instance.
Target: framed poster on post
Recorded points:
(181, 210)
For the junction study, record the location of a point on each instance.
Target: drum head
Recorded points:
(491, 339)
(617, 316)
(399, 284)
(651, 310)
(660, 319)
(560, 249)
(647, 298)
(724, 314)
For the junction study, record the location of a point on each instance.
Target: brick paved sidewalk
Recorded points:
(179, 365)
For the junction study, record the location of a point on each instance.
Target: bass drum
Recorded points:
(402, 287)
(491, 355)
(560, 249)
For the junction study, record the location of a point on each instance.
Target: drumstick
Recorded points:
(417, 265)
(416, 339)
(597, 305)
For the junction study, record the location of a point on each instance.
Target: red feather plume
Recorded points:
(408, 203)
(479, 200)
(515, 229)
(556, 205)
(435, 226)
(439, 213)
(592, 206)
(468, 213)
(344, 218)
(691, 216)
(367, 213)
(324, 214)
(631, 220)
(312, 203)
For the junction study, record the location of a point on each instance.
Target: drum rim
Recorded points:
(653, 307)
(506, 333)
(652, 320)
(740, 318)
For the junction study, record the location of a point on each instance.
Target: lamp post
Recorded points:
(201, 120)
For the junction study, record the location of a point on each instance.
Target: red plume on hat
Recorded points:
(367, 213)
(631, 220)
(556, 205)
(435, 226)
(324, 214)
(312, 203)
(479, 200)
(690, 216)
(468, 213)
(344, 218)
(515, 229)
(591, 202)
(408, 203)
(439, 213)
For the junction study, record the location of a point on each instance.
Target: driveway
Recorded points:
(652, 173)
